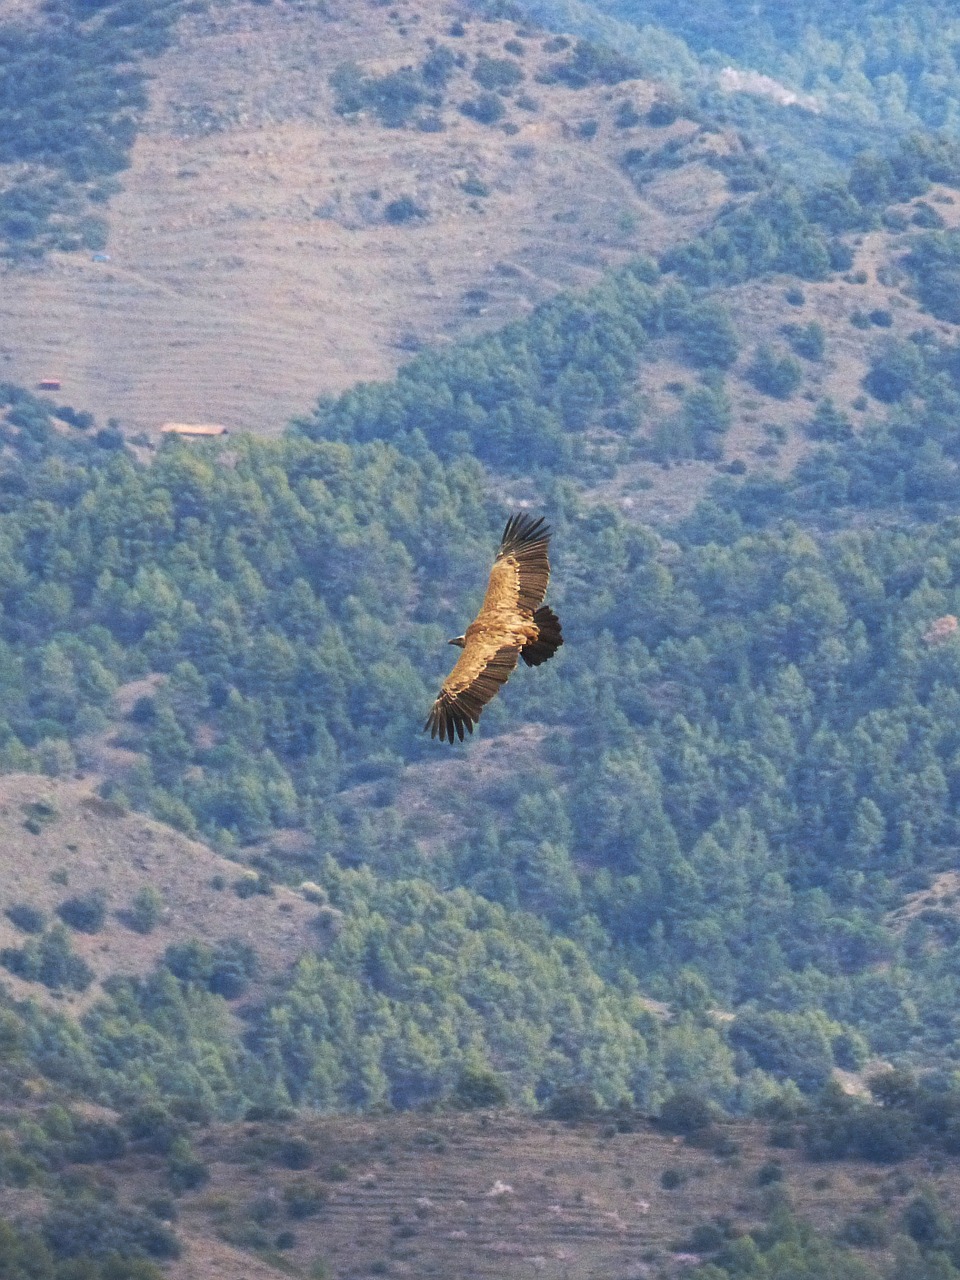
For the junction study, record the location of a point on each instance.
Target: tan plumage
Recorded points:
(512, 623)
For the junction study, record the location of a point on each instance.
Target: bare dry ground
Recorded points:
(85, 843)
(251, 265)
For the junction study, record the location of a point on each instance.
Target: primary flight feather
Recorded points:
(513, 623)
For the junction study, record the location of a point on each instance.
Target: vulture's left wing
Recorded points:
(485, 664)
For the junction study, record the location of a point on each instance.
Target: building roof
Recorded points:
(194, 429)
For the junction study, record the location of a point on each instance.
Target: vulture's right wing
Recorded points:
(521, 571)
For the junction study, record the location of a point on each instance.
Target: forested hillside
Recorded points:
(884, 62)
(737, 769)
(817, 82)
(701, 865)
(747, 752)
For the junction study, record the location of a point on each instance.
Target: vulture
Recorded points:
(513, 623)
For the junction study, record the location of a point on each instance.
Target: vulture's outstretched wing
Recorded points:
(484, 666)
(510, 621)
(521, 571)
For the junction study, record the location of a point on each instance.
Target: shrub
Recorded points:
(894, 1087)
(828, 423)
(670, 1179)
(189, 961)
(154, 1126)
(594, 64)
(807, 340)
(393, 97)
(185, 1170)
(403, 209)
(626, 115)
(865, 1231)
(883, 1136)
(840, 256)
(86, 912)
(872, 1133)
(146, 910)
(573, 1102)
(262, 1208)
(686, 1112)
(303, 1199)
(295, 1153)
(12, 1036)
(232, 964)
(49, 960)
(708, 338)
(896, 369)
(663, 111)
(40, 811)
(772, 1171)
(479, 1087)
(27, 918)
(252, 883)
(96, 1140)
(773, 374)
(496, 73)
(97, 1230)
(783, 1134)
(437, 67)
(488, 108)
(707, 1237)
(925, 1221)
(924, 215)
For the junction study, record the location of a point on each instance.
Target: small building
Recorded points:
(193, 429)
(48, 384)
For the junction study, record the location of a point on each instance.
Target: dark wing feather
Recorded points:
(482, 669)
(524, 544)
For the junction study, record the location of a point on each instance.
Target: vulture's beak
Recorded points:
(459, 641)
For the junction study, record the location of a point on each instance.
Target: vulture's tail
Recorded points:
(547, 642)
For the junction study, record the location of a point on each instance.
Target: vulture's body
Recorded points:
(513, 623)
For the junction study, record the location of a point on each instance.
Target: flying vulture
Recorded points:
(513, 622)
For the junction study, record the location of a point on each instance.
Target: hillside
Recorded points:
(253, 263)
(855, 311)
(286, 986)
(61, 841)
(498, 1196)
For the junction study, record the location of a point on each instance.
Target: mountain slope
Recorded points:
(253, 260)
(60, 841)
